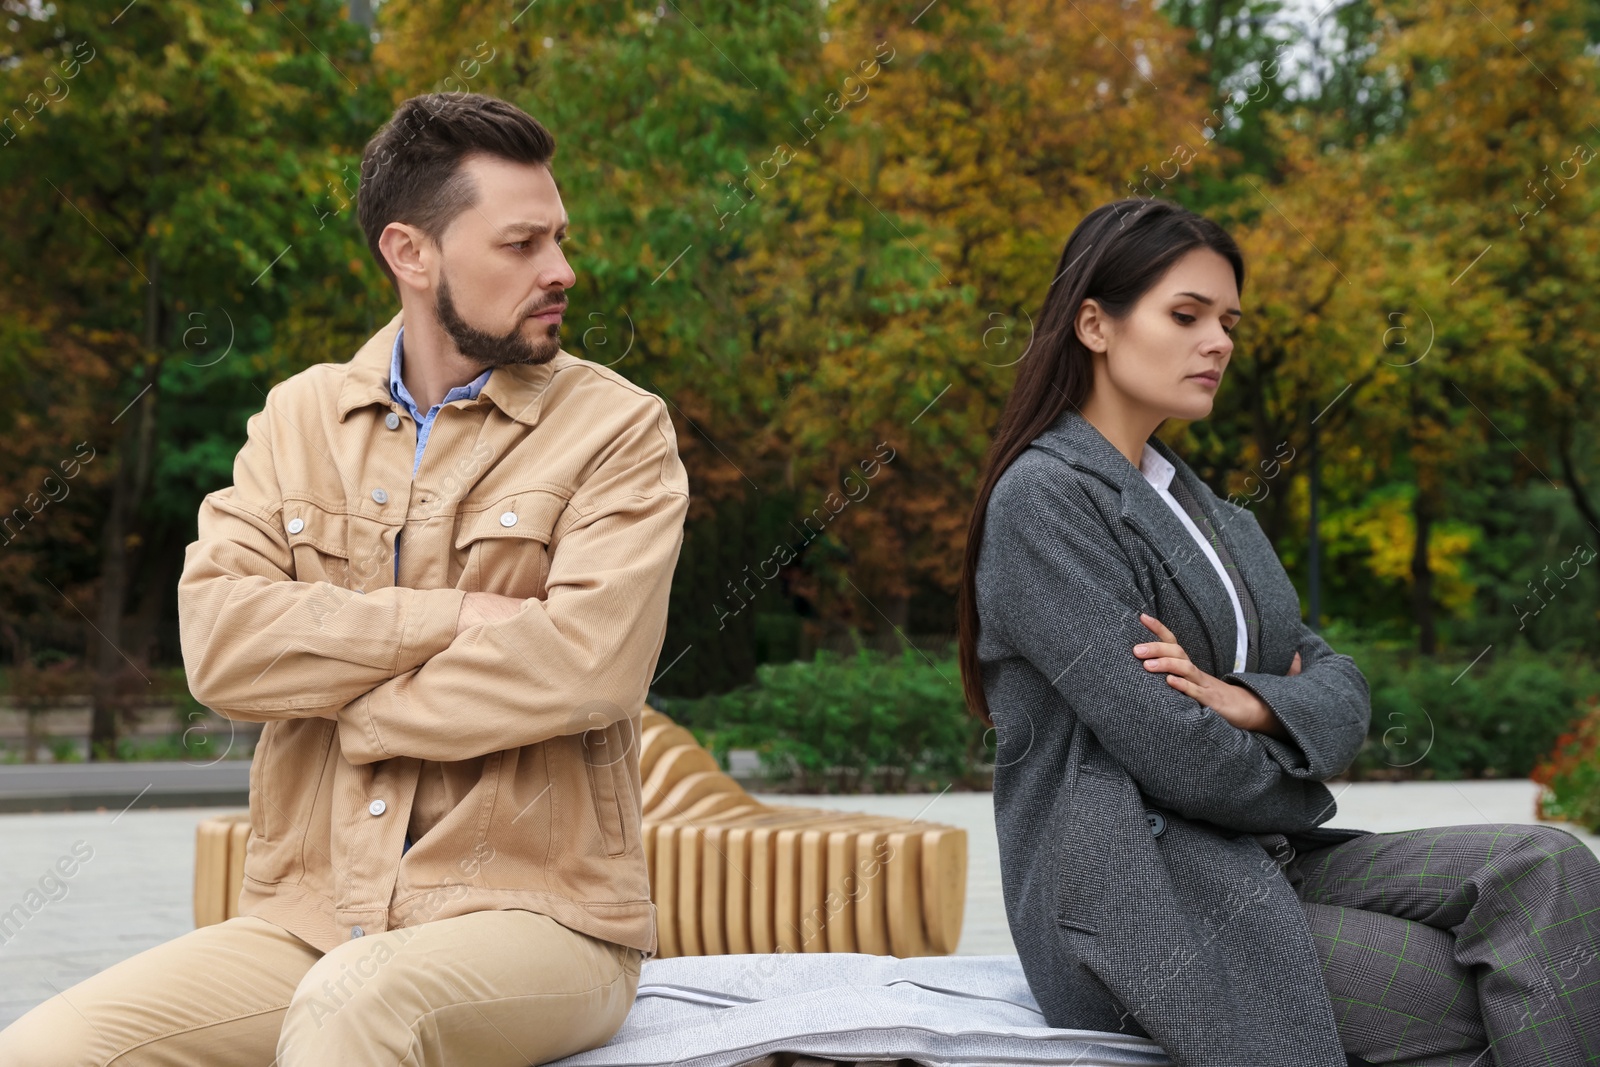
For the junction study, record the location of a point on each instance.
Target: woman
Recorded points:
(1166, 724)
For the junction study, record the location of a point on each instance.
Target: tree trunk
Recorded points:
(132, 448)
(1314, 530)
(895, 620)
(108, 658)
(1422, 574)
(1423, 514)
(158, 561)
(1569, 470)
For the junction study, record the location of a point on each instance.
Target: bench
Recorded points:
(729, 874)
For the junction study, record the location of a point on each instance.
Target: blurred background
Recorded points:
(822, 231)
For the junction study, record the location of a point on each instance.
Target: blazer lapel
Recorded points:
(1076, 440)
(1242, 552)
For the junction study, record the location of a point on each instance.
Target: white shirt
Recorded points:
(1159, 473)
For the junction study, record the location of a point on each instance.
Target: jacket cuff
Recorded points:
(357, 729)
(1318, 748)
(429, 626)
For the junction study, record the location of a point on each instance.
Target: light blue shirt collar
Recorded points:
(397, 387)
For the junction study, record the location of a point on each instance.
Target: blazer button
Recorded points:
(377, 806)
(1157, 821)
(380, 496)
(392, 421)
(508, 519)
(356, 931)
(296, 525)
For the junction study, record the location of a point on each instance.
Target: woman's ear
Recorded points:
(1093, 326)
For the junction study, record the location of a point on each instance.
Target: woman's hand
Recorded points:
(1235, 703)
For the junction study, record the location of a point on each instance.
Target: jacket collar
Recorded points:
(515, 388)
(1076, 440)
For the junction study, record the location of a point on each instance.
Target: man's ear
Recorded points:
(405, 249)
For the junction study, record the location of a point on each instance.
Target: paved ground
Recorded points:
(134, 888)
(45, 787)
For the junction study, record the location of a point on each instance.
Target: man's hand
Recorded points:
(1235, 703)
(486, 607)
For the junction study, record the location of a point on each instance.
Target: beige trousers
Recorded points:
(490, 989)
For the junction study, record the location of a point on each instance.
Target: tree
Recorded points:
(166, 193)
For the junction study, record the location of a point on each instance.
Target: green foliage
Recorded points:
(728, 610)
(1441, 719)
(64, 750)
(181, 234)
(847, 724)
(873, 722)
(176, 748)
(1571, 775)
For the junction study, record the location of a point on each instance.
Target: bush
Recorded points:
(866, 722)
(1497, 720)
(1571, 775)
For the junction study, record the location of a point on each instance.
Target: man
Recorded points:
(440, 579)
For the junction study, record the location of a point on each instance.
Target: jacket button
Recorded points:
(356, 931)
(1157, 821)
(377, 806)
(392, 421)
(380, 496)
(508, 519)
(296, 525)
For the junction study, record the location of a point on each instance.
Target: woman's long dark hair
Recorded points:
(1114, 256)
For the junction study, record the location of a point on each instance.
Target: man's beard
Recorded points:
(489, 349)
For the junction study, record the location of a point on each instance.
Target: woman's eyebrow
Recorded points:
(1206, 300)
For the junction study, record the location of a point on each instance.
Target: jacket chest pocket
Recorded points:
(319, 542)
(1082, 841)
(506, 545)
(330, 546)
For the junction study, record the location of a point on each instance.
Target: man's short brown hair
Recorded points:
(411, 169)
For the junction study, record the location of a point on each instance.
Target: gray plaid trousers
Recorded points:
(1453, 946)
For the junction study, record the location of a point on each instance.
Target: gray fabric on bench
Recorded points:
(945, 1011)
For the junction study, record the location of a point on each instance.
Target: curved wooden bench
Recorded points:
(729, 874)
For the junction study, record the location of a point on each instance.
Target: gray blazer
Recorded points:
(1137, 898)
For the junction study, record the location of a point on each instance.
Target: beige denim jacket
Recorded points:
(511, 752)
